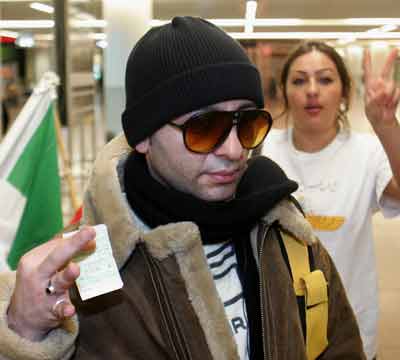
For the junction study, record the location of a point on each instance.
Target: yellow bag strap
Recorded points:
(313, 286)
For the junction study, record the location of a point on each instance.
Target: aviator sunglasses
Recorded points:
(204, 132)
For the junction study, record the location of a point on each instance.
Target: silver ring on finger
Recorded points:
(54, 307)
(50, 289)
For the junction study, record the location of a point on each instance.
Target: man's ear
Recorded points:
(143, 146)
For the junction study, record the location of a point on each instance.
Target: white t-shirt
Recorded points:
(340, 187)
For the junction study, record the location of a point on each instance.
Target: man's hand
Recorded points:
(381, 94)
(34, 310)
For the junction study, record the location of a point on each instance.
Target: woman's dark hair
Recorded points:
(331, 53)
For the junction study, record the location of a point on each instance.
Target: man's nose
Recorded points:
(231, 148)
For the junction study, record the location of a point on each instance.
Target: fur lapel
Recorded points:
(183, 241)
(291, 220)
(105, 203)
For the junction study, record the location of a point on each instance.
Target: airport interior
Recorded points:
(87, 42)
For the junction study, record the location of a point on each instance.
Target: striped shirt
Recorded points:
(224, 268)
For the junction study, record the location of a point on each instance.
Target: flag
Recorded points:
(30, 191)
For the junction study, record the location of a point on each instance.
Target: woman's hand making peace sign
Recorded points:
(381, 93)
(381, 99)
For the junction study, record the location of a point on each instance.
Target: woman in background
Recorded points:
(344, 177)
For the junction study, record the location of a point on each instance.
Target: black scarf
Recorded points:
(263, 185)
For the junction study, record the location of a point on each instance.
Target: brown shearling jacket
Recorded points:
(169, 307)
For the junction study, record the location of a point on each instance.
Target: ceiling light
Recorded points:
(44, 37)
(42, 7)
(379, 44)
(314, 35)
(102, 44)
(88, 23)
(379, 35)
(9, 34)
(251, 9)
(371, 21)
(347, 40)
(26, 24)
(297, 22)
(286, 35)
(156, 22)
(25, 40)
(46, 24)
(389, 27)
(79, 15)
(384, 28)
(218, 22)
(97, 36)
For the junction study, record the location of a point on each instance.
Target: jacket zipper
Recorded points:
(175, 336)
(267, 354)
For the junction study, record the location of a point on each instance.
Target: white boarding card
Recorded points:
(99, 272)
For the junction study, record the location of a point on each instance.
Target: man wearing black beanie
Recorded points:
(200, 233)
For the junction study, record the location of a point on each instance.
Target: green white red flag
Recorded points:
(30, 191)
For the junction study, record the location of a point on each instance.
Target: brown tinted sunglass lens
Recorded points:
(204, 132)
(253, 127)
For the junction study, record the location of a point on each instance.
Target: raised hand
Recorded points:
(381, 93)
(41, 300)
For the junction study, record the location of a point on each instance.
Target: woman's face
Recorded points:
(314, 92)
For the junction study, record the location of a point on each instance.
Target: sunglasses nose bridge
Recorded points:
(236, 118)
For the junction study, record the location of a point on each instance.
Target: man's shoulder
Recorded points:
(291, 220)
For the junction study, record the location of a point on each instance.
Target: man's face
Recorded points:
(210, 177)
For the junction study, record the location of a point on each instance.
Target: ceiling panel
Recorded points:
(166, 9)
(330, 9)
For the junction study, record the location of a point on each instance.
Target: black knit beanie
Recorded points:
(181, 67)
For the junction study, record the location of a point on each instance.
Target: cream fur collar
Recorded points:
(105, 203)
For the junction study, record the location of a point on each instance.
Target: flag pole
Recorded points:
(66, 162)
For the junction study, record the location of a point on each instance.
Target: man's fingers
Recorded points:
(387, 68)
(62, 309)
(68, 310)
(65, 250)
(65, 278)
